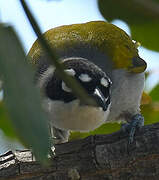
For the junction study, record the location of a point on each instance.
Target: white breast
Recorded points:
(72, 116)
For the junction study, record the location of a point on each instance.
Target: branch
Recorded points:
(94, 158)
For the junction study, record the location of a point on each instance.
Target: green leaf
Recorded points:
(141, 16)
(5, 123)
(145, 99)
(1, 86)
(155, 93)
(106, 128)
(21, 97)
(146, 34)
(151, 110)
(150, 113)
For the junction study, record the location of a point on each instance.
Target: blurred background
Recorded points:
(53, 13)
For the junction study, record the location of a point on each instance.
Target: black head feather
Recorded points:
(81, 66)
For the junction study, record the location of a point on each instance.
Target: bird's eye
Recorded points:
(104, 82)
(70, 72)
(65, 88)
(105, 86)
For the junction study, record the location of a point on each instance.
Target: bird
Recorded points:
(66, 111)
(112, 53)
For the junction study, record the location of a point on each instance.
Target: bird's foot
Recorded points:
(58, 136)
(135, 124)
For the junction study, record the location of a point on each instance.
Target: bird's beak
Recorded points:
(138, 65)
(101, 101)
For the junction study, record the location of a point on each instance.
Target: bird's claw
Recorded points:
(136, 123)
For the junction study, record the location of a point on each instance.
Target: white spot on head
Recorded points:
(104, 82)
(65, 88)
(85, 78)
(70, 72)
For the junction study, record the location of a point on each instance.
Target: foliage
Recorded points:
(151, 110)
(141, 16)
(22, 98)
(6, 124)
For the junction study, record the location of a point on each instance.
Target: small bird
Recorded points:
(95, 53)
(66, 111)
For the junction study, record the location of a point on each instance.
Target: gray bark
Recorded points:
(99, 157)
